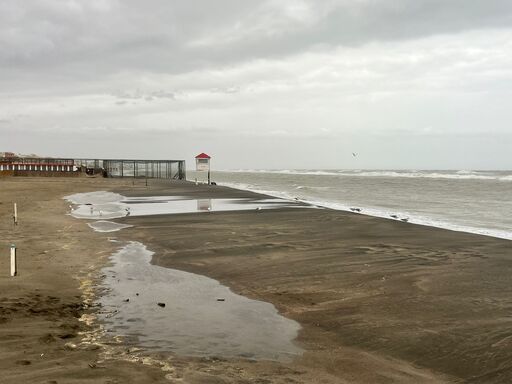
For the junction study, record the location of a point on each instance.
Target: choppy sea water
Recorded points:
(469, 201)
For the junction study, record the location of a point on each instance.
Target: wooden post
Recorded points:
(13, 261)
(208, 176)
(15, 217)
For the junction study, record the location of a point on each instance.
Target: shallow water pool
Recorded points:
(197, 316)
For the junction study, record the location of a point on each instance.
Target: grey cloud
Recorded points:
(70, 37)
(285, 75)
(138, 94)
(226, 90)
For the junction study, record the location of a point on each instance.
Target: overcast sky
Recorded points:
(422, 84)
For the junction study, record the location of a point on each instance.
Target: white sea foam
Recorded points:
(378, 212)
(107, 226)
(453, 175)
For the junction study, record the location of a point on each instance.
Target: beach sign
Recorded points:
(203, 162)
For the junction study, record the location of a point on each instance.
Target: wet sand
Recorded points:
(40, 308)
(379, 301)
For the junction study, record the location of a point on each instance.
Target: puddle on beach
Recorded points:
(201, 317)
(109, 205)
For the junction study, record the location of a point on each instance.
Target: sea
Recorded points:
(460, 200)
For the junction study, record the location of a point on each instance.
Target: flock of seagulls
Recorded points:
(396, 217)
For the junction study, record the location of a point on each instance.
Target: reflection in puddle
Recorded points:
(197, 316)
(204, 204)
(108, 205)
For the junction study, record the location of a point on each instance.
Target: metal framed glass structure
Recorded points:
(155, 169)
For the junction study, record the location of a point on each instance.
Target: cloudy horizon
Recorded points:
(421, 84)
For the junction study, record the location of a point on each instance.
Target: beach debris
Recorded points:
(14, 263)
(221, 299)
(355, 209)
(161, 305)
(137, 294)
(126, 300)
(112, 314)
(405, 219)
(67, 336)
(213, 183)
(394, 216)
(70, 346)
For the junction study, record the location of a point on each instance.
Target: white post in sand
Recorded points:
(15, 214)
(13, 261)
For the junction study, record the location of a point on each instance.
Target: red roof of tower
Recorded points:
(203, 156)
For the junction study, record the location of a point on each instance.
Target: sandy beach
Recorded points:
(379, 301)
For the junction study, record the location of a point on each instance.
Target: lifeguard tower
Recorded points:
(203, 164)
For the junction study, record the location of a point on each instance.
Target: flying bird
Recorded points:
(354, 154)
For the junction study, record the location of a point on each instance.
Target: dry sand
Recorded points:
(379, 301)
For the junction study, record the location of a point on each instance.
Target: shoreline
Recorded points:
(375, 297)
(431, 248)
(382, 213)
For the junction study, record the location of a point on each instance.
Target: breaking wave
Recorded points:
(379, 212)
(453, 175)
